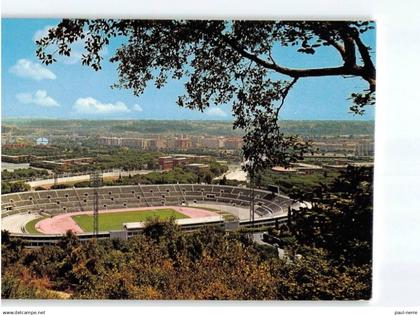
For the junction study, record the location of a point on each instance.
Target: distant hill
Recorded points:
(328, 127)
(190, 127)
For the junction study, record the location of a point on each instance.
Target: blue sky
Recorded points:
(68, 90)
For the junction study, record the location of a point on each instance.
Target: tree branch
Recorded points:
(364, 52)
(369, 68)
(338, 47)
(284, 93)
(294, 73)
(350, 51)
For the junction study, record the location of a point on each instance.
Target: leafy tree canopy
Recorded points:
(164, 263)
(223, 62)
(341, 217)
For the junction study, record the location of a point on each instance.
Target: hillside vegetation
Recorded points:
(191, 127)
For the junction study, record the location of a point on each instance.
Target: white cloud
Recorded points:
(89, 105)
(42, 32)
(40, 98)
(27, 69)
(137, 108)
(216, 111)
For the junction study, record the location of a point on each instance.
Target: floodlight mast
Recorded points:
(252, 183)
(96, 182)
(55, 179)
(252, 206)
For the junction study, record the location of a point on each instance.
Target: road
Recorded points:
(235, 172)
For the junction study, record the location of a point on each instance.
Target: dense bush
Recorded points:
(165, 263)
(19, 186)
(24, 173)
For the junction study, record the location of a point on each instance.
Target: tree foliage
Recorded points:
(341, 217)
(223, 62)
(23, 173)
(164, 263)
(12, 187)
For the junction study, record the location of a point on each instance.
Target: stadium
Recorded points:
(42, 217)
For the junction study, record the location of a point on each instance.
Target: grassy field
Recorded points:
(115, 220)
(30, 226)
(289, 183)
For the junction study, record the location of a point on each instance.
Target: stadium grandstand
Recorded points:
(226, 203)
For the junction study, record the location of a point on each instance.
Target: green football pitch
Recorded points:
(115, 220)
